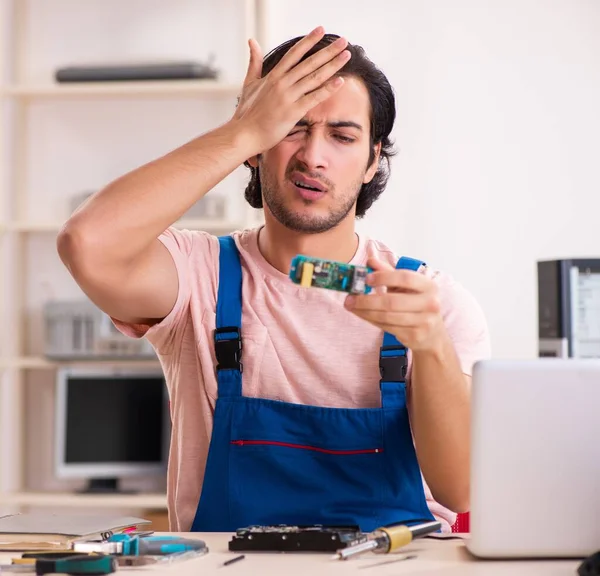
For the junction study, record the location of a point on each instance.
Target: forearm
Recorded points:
(124, 218)
(440, 421)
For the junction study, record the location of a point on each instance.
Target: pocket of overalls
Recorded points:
(274, 482)
(306, 447)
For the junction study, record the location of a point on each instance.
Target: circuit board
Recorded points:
(329, 274)
(284, 538)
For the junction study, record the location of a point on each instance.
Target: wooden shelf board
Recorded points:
(21, 226)
(66, 499)
(175, 88)
(41, 363)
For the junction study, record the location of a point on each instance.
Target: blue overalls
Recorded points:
(272, 462)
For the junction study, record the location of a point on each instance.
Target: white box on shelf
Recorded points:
(78, 199)
(209, 207)
(80, 330)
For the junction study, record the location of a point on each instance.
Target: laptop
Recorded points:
(535, 458)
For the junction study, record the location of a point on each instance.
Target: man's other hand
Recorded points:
(403, 303)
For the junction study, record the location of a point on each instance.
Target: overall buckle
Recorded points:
(228, 350)
(393, 368)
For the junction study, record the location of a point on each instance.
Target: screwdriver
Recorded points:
(387, 539)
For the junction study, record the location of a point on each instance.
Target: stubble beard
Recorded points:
(306, 223)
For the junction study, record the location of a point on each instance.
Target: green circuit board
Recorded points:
(329, 274)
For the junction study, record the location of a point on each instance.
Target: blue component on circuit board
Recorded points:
(329, 274)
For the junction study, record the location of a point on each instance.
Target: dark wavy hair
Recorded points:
(383, 115)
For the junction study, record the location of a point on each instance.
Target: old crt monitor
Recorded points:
(110, 423)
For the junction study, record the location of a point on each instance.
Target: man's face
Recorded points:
(310, 180)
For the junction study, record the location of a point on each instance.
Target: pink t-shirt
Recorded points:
(300, 345)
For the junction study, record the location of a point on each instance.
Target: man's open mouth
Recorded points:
(305, 183)
(306, 187)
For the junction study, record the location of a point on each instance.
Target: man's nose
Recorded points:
(313, 152)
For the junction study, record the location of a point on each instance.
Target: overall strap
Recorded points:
(393, 360)
(228, 335)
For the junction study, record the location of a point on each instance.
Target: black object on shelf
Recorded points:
(179, 70)
(104, 486)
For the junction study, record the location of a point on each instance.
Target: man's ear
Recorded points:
(372, 169)
(253, 161)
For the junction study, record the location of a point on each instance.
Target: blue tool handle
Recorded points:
(158, 546)
(165, 539)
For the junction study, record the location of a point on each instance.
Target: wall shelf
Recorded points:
(41, 363)
(71, 500)
(40, 147)
(122, 89)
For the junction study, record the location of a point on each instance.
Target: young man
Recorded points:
(290, 404)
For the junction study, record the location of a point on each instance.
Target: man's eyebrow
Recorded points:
(345, 124)
(339, 124)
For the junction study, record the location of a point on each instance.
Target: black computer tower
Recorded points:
(569, 308)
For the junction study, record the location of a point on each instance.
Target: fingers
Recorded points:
(377, 264)
(254, 71)
(316, 61)
(411, 328)
(396, 319)
(311, 79)
(392, 303)
(400, 280)
(314, 98)
(295, 53)
(320, 76)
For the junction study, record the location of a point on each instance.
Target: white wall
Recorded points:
(497, 131)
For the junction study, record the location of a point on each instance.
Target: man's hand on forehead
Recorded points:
(270, 107)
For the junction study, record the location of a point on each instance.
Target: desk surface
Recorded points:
(436, 557)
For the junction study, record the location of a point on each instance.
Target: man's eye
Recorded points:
(295, 132)
(344, 139)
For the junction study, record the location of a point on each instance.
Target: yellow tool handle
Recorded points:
(398, 536)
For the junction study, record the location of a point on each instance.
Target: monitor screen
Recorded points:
(110, 424)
